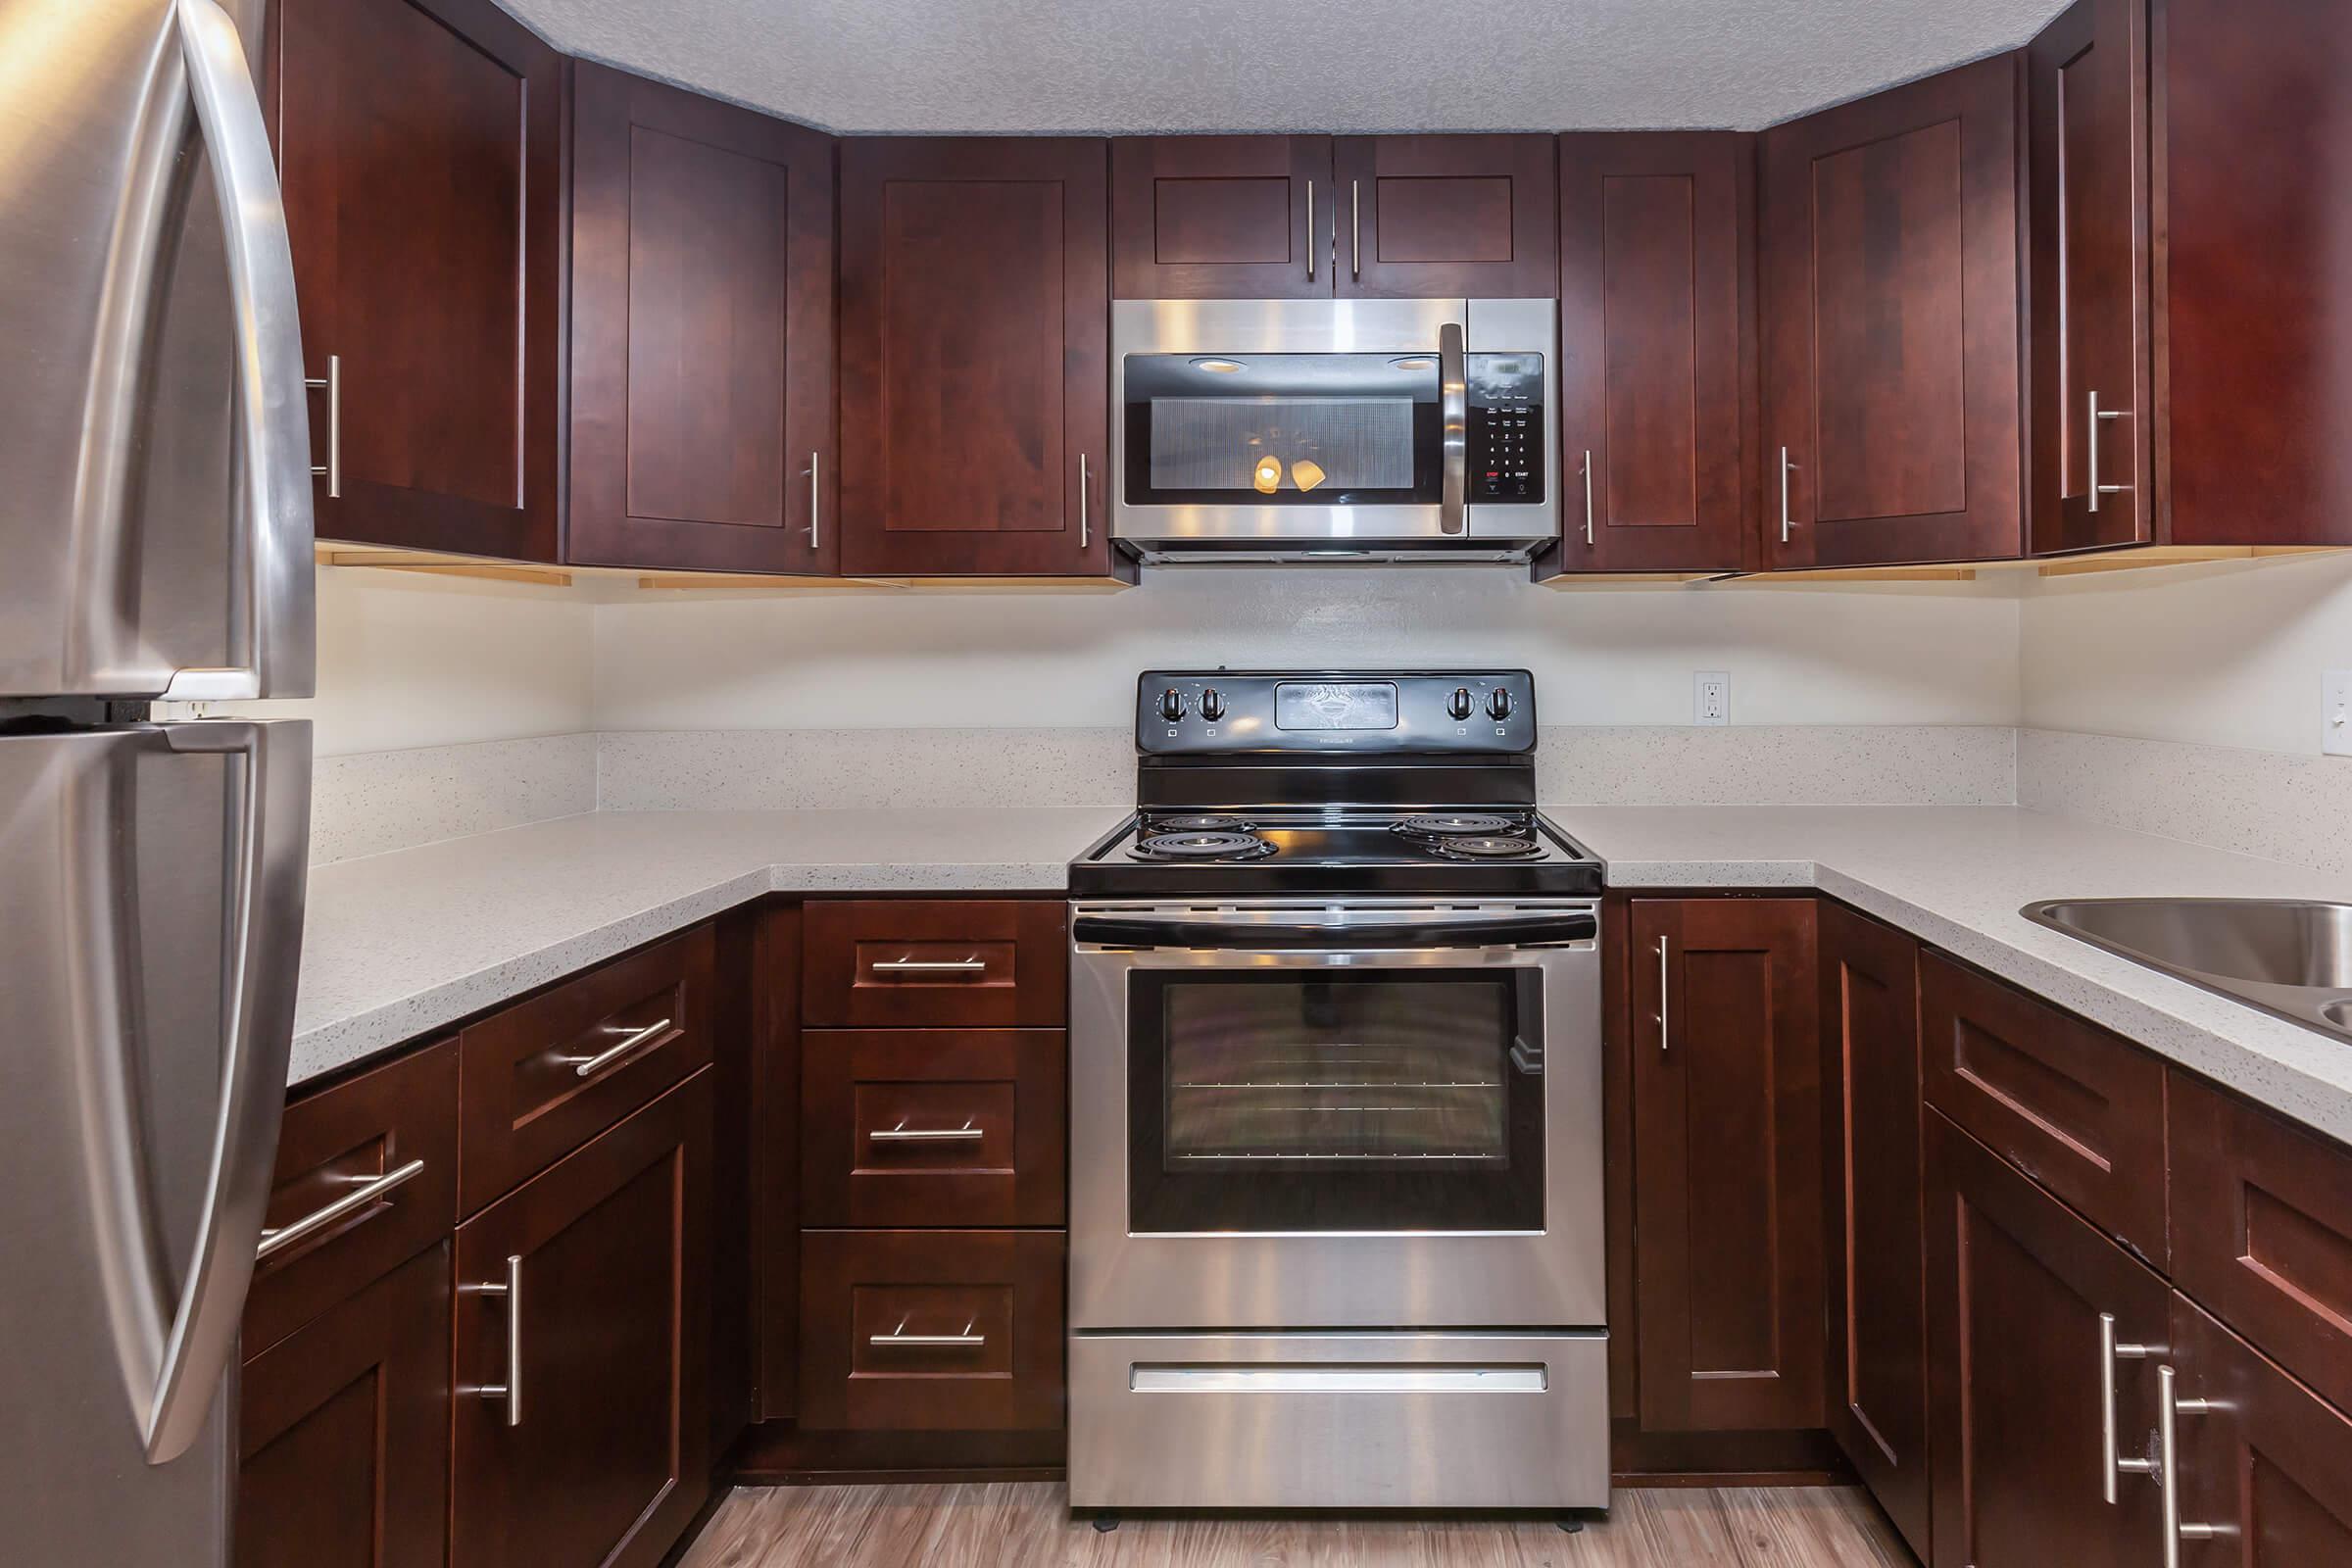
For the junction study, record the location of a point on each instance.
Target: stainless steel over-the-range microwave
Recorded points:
(1334, 429)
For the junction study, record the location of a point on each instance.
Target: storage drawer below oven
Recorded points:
(1338, 1421)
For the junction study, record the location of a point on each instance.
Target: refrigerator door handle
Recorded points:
(265, 946)
(273, 556)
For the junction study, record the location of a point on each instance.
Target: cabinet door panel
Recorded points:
(609, 1460)
(1728, 1147)
(2088, 224)
(1446, 217)
(420, 146)
(1890, 294)
(2016, 1289)
(1655, 346)
(2268, 1464)
(1878, 1376)
(974, 375)
(1221, 218)
(702, 326)
(343, 1447)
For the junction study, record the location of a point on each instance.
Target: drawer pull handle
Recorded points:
(367, 1192)
(904, 1134)
(929, 966)
(899, 1336)
(2170, 1407)
(590, 1066)
(2111, 1353)
(510, 1291)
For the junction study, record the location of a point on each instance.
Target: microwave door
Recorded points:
(157, 518)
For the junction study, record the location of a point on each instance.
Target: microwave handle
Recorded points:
(1502, 931)
(1453, 393)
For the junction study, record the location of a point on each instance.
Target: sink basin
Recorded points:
(2289, 956)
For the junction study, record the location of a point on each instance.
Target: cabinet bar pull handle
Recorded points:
(1663, 976)
(2111, 1465)
(331, 384)
(367, 1192)
(1785, 468)
(1310, 232)
(899, 1336)
(1588, 498)
(2170, 1407)
(928, 965)
(509, 1290)
(1082, 500)
(590, 1066)
(967, 1133)
(1356, 228)
(2091, 438)
(814, 491)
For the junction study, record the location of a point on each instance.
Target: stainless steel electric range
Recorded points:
(1336, 1132)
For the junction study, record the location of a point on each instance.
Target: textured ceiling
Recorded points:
(1285, 65)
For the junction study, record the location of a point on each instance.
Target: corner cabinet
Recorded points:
(702, 333)
(975, 313)
(1890, 298)
(421, 149)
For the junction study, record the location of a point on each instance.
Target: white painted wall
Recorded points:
(1917, 654)
(407, 660)
(2220, 655)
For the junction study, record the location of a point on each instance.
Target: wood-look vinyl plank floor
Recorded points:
(1027, 1525)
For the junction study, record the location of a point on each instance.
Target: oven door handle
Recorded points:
(1510, 931)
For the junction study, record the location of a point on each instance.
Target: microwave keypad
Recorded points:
(1506, 426)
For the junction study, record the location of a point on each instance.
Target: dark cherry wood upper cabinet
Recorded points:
(1656, 350)
(1443, 217)
(1726, 1139)
(1878, 1375)
(343, 1432)
(702, 333)
(421, 146)
(2264, 1463)
(974, 358)
(1221, 218)
(2088, 235)
(1891, 295)
(585, 1295)
(2018, 1368)
(2253, 282)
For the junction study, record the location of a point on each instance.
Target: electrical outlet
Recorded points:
(2336, 715)
(1713, 698)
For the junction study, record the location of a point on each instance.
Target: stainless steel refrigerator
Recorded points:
(155, 543)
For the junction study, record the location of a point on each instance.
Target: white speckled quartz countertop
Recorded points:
(400, 944)
(1956, 876)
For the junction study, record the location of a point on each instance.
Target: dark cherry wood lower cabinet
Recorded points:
(607, 1460)
(1727, 1113)
(343, 1432)
(2017, 1289)
(1878, 1375)
(2266, 1465)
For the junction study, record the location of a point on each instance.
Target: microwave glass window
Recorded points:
(1267, 444)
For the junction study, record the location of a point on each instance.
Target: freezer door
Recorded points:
(154, 878)
(154, 432)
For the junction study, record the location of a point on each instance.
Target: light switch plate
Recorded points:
(1711, 697)
(2336, 714)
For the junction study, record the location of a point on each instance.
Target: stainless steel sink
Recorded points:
(2289, 956)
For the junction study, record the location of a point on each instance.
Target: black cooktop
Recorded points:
(1335, 849)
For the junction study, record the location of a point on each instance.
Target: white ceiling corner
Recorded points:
(1006, 66)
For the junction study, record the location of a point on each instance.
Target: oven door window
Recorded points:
(1282, 429)
(1356, 1099)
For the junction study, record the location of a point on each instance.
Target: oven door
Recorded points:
(1300, 1117)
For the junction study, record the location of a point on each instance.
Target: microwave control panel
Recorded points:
(1506, 426)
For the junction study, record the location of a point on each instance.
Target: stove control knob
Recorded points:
(1171, 705)
(1459, 705)
(1499, 705)
(1212, 706)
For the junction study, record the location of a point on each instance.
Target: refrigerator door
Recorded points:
(155, 878)
(155, 518)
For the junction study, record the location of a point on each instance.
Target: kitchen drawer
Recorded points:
(546, 1075)
(2076, 1109)
(932, 1127)
(994, 963)
(2262, 1231)
(367, 1178)
(988, 1302)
